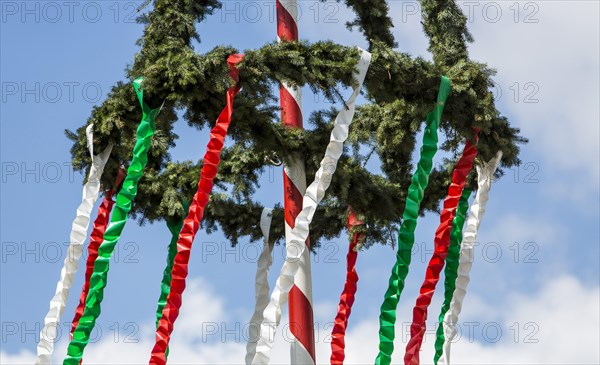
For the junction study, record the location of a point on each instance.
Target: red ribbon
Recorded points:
(191, 224)
(338, 333)
(96, 238)
(441, 244)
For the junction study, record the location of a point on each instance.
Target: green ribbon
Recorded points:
(451, 269)
(406, 235)
(165, 286)
(98, 280)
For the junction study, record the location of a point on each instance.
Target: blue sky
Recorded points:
(535, 281)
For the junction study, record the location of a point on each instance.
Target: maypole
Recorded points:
(302, 350)
(385, 123)
(296, 247)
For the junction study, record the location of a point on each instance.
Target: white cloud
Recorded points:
(22, 357)
(559, 57)
(516, 227)
(557, 324)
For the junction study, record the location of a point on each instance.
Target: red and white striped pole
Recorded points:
(302, 349)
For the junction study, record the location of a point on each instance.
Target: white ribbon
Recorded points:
(262, 284)
(485, 175)
(77, 237)
(314, 194)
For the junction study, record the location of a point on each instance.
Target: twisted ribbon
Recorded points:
(441, 243)
(79, 228)
(450, 272)
(174, 227)
(338, 333)
(96, 238)
(299, 234)
(485, 175)
(262, 284)
(191, 224)
(406, 235)
(98, 280)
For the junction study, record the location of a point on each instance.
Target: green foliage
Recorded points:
(373, 20)
(400, 91)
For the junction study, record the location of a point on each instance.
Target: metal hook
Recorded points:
(274, 159)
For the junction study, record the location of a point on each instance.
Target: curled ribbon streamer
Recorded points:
(406, 235)
(165, 287)
(191, 223)
(450, 272)
(299, 234)
(441, 243)
(262, 284)
(347, 298)
(96, 238)
(174, 227)
(485, 175)
(98, 281)
(79, 228)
